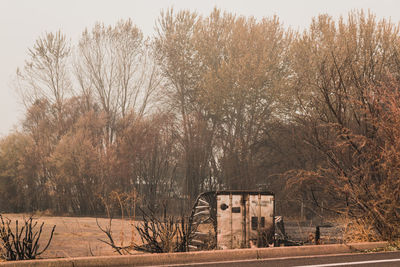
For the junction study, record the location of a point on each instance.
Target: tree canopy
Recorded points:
(209, 103)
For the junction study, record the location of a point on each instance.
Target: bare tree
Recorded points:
(45, 74)
(113, 66)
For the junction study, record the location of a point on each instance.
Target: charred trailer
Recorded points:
(237, 219)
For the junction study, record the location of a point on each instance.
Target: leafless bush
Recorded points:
(23, 243)
(168, 234)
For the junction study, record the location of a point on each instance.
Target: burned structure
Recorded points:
(232, 219)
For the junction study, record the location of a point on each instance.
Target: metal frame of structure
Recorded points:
(232, 219)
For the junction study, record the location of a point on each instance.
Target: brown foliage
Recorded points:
(349, 117)
(242, 101)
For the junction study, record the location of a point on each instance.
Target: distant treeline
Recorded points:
(215, 102)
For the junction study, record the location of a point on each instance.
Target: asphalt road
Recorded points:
(360, 259)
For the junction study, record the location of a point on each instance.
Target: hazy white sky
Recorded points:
(23, 21)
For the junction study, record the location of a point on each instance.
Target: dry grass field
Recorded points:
(78, 236)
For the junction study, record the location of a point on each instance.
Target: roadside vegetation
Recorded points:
(207, 103)
(21, 241)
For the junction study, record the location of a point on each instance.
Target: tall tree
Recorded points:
(114, 68)
(177, 60)
(243, 88)
(45, 74)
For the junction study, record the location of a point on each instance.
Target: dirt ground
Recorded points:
(80, 236)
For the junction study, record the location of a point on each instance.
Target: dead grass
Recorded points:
(78, 236)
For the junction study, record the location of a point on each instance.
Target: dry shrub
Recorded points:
(157, 235)
(359, 230)
(2, 252)
(164, 235)
(124, 205)
(23, 242)
(363, 230)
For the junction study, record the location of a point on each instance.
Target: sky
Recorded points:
(23, 21)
